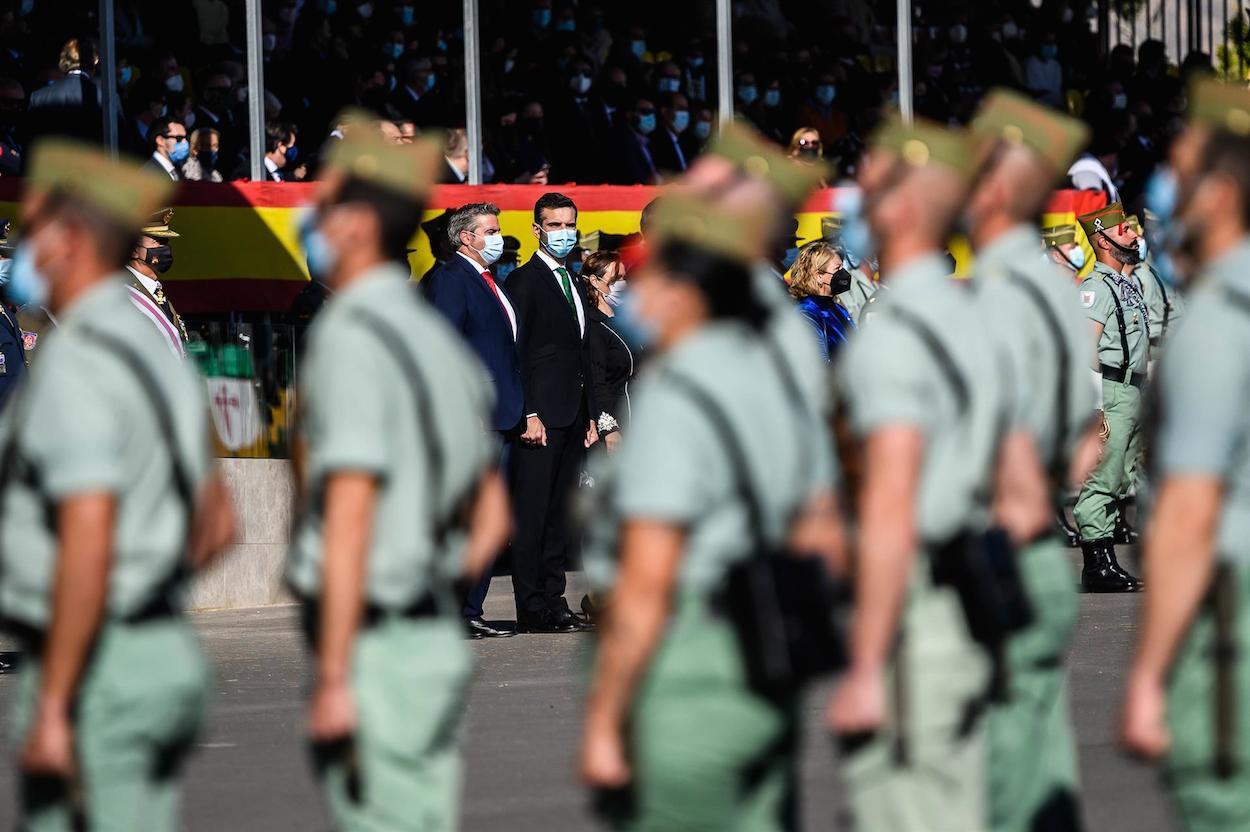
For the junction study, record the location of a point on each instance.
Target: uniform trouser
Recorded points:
(1032, 754)
(708, 754)
(937, 782)
(410, 678)
(1097, 505)
(138, 712)
(1204, 800)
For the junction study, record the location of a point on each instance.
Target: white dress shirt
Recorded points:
(164, 162)
(272, 168)
(554, 264)
(507, 304)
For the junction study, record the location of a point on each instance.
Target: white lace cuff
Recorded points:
(607, 423)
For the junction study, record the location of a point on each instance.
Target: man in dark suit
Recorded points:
(465, 291)
(556, 379)
(167, 138)
(71, 106)
(636, 165)
(666, 150)
(577, 147)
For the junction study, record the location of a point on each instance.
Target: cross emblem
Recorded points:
(1098, 223)
(225, 401)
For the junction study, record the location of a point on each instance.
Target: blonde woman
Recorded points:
(817, 277)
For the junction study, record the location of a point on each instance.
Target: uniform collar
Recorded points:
(148, 283)
(1105, 270)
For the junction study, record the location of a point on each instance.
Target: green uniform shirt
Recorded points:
(359, 415)
(1204, 390)
(892, 379)
(1158, 299)
(1099, 293)
(1026, 337)
(673, 468)
(84, 425)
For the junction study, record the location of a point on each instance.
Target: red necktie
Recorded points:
(490, 281)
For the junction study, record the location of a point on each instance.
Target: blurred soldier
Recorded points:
(108, 499)
(1164, 303)
(921, 387)
(393, 462)
(151, 258)
(715, 474)
(1032, 754)
(13, 361)
(1061, 247)
(1121, 329)
(1189, 685)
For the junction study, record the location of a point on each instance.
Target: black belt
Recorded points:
(1156, 340)
(373, 614)
(1116, 374)
(32, 638)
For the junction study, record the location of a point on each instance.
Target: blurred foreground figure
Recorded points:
(108, 500)
(395, 466)
(1189, 687)
(727, 463)
(921, 381)
(1032, 305)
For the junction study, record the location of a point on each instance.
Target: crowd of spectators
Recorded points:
(580, 91)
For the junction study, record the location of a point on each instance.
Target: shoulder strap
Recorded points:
(392, 341)
(1119, 319)
(941, 355)
(1062, 355)
(1239, 300)
(1167, 302)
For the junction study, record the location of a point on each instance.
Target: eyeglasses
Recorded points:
(175, 136)
(816, 143)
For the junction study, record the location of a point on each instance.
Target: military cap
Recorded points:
(1008, 116)
(409, 170)
(1220, 106)
(760, 158)
(734, 235)
(1096, 222)
(157, 225)
(925, 142)
(1059, 235)
(1133, 223)
(122, 190)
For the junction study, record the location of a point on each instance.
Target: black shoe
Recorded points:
(565, 615)
(1102, 573)
(478, 628)
(592, 608)
(1125, 534)
(547, 621)
(1065, 528)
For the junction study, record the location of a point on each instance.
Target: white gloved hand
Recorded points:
(1096, 378)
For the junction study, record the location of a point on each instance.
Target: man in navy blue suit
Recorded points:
(466, 292)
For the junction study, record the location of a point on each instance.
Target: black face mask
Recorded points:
(840, 282)
(160, 258)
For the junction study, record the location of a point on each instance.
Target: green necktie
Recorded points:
(568, 288)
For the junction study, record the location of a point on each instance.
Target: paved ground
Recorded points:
(523, 723)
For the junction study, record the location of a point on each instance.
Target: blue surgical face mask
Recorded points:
(179, 151)
(210, 157)
(851, 258)
(747, 94)
(703, 129)
(541, 18)
(638, 47)
(616, 294)
(646, 124)
(638, 331)
(559, 243)
(492, 248)
(502, 270)
(27, 286)
(1049, 51)
(5, 267)
(856, 232)
(568, 24)
(695, 61)
(772, 98)
(292, 154)
(407, 14)
(395, 51)
(825, 93)
(681, 120)
(668, 84)
(125, 74)
(320, 255)
(1142, 247)
(1075, 259)
(430, 81)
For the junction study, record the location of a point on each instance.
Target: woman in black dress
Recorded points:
(612, 361)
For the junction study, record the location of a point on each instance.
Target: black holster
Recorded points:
(1222, 598)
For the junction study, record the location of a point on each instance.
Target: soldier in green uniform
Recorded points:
(1032, 754)
(727, 460)
(393, 464)
(1189, 683)
(1165, 304)
(108, 500)
(1059, 242)
(923, 396)
(1121, 328)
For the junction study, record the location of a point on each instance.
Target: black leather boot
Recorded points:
(1125, 534)
(1102, 573)
(1070, 535)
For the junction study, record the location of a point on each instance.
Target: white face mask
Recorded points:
(492, 248)
(174, 83)
(616, 294)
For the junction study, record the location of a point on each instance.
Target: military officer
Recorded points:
(719, 466)
(13, 360)
(1121, 327)
(923, 397)
(863, 281)
(108, 500)
(1164, 304)
(393, 465)
(1032, 756)
(1189, 683)
(1061, 248)
(152, 257)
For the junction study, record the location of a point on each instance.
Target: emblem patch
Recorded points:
(1087, 299)
(1098, 223)
(29, 339)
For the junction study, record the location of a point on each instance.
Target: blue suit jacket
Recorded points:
(460, 293)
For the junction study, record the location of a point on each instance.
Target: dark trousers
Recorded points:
(476, 595)
(543, 482)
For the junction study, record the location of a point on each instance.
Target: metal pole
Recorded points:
(905, 105)
(473, 91)
(724, 61)
(106, 76)
(255, 91)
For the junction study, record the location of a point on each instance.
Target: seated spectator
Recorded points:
(167, 142)
(819, 112)
(666, 143)
(456, 155)
(205, 149)
(70, 106)
(817, 277)
(637, 167)
(1043, 73)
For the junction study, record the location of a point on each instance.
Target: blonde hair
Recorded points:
(70, 59)
(805, 274)
(793, 147)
